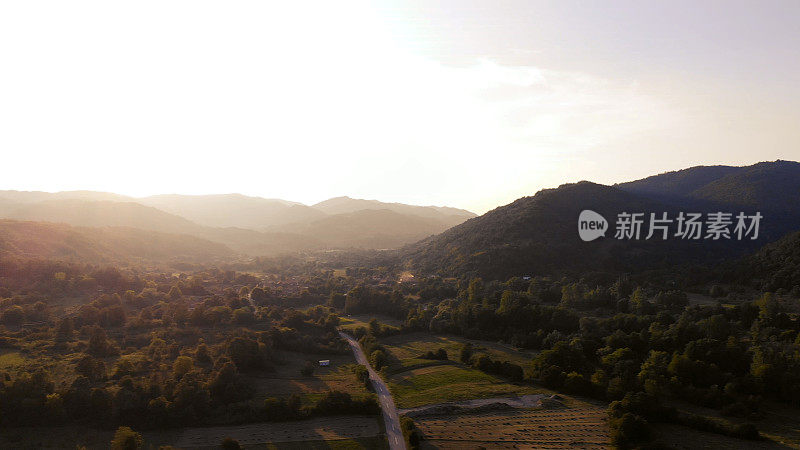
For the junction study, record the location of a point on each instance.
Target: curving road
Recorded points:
(390, 417)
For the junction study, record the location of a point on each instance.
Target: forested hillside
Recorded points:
(772, 188)
(538, 235)
(776, 266)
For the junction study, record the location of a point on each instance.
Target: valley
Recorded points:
(504, 330)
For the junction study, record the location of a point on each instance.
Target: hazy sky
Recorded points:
(468, 104)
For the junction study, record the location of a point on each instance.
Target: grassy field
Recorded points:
(351, 322)
(416, 381)
(446, 382)
(287, 380)
(404, 350)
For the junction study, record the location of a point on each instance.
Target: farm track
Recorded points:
(390, 417)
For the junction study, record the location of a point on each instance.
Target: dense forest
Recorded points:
(150, 349)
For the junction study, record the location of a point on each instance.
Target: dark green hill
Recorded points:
(772, 188)
(769, 186)
(678, 184)
(539, 235)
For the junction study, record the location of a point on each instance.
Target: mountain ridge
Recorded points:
(242, 223)
(538, 234)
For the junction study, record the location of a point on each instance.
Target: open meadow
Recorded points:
(416, 381)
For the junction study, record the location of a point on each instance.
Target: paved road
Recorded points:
(390, 417)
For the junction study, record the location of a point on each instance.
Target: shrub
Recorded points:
(377, 359)
(126, 439)
(362, 375)
(440, 354)
(182, 366)
(308, 369)
(230, 444)
(466, 353)
(410, 432)
(628, 430)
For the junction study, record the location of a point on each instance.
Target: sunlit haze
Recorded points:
(466, 104)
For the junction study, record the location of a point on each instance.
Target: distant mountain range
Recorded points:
(536, 235)
(344, 205)
(103, 245)
(533, 235)
(248, 225)
(234, 210)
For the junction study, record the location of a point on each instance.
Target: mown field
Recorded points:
(582, 425)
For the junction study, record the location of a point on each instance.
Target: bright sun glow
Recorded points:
(299, 101)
